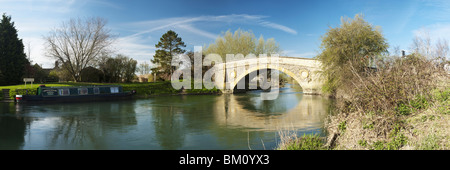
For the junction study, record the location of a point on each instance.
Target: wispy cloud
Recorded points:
(192, 24)
(52, 6)
(134, 46)
(137, 45)
(434, 31)
(197, 31)
(439, 9)
(277, 26)
(34, 19)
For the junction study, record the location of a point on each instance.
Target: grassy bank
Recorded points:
(425, 127)
(290, 141)
(404, 105)
(142, 89)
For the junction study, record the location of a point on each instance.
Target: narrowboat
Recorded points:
(76, 94)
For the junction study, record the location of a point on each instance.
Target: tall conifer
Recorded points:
(12, 55)
(168, 46)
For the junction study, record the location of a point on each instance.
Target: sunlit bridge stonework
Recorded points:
(306, 71)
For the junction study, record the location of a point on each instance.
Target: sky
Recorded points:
(296, 25)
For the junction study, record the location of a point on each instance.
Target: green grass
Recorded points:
(306, 142)
(441, 98)
(419, 102)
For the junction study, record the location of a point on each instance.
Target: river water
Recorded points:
(216, 122)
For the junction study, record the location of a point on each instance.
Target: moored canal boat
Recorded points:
(76, 94)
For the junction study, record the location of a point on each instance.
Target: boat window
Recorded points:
(64, 92)
(96, 90)
(114, 89)
(50, 92)
(82, 91)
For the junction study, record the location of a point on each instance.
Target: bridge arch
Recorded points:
(305, 71)
(300, 79)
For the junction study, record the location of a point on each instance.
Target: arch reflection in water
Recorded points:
(291, 110)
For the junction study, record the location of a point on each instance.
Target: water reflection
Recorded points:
(166, 122)
(287, 112)
(12, 127)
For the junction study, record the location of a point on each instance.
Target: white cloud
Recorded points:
(440, 9)
(48, 6)
(34, 47)
(138, 47)
(34, 19)
(135, 47)
(278, 26)
(189, 23)
(434, 31)
(197, 31)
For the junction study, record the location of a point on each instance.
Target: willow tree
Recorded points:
(78, 42)
(349, 48)
(242, 42)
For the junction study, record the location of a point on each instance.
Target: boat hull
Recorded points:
(76, 98)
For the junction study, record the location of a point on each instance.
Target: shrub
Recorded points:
(354, 42)
(30, 91)
(399, 86)
(395, 142)
(342, 126)
(403, 109)
(418, 103)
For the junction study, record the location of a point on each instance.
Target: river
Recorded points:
(216, 122)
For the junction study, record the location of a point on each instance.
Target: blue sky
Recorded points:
(296, 25)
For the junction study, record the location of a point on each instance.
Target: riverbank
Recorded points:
(426, 128)
(143, 90)
(403, 106)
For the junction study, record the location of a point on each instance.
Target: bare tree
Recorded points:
(442, 50)
(144, 68)
(396, 50)
(78, 42)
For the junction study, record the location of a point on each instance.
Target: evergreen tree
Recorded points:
(168, 46)
(12, 56)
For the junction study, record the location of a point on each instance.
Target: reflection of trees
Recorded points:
(84, 123)
(168, 125)
(177, 122)
(12, 128)
(176, 116)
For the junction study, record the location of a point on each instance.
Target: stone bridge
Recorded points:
(305, 71)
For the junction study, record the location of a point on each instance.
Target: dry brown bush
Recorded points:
(370, 111)
(395, 82)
